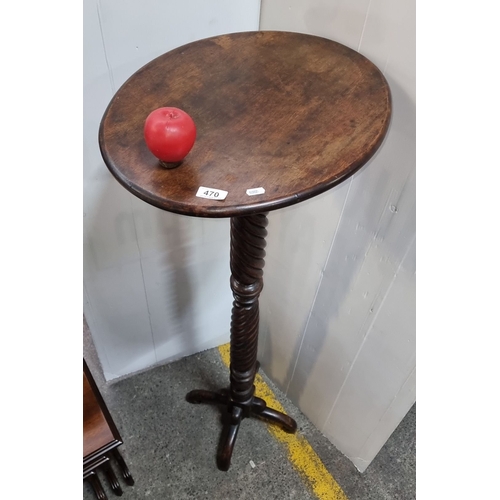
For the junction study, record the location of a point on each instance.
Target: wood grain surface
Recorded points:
(291, 113)
(96, 431)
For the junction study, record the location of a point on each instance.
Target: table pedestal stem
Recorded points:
(248, 240)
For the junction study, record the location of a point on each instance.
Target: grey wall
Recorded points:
(338, 307)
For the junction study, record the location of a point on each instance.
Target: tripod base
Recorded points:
(234, 414)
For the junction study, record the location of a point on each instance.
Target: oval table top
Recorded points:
(290, 113)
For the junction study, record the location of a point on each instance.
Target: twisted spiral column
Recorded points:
(248, 240)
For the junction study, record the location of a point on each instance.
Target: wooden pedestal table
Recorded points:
(280, 117)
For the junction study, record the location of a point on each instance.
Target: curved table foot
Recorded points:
(228, 437)
(287, 423)
(209, 397)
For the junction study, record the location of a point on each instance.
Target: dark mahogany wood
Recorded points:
(292, 113)
(127, 476)
(94, 481)
(248, 240)
(99, 430)
(112, 479)
(100, 440)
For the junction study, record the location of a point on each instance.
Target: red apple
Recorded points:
(169, 134)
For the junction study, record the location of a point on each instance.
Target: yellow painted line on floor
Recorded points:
(300, 452)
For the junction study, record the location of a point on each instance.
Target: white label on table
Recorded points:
(211, 193)
(254, 191)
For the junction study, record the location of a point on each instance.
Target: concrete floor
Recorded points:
(170, 445)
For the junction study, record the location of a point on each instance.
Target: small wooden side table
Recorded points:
(281, 117)
(100, 440)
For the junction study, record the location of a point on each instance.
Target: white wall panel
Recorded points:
(156, 285)
(345, 18)
(380, 373)
(298, 245)
(342, 343)
(115, 307)
(136, 32)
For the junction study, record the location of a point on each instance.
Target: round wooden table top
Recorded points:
(290, 113)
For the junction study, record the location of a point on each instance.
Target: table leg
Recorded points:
(248, 240)
(123, 467)
(96, 486)
(112, 479)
